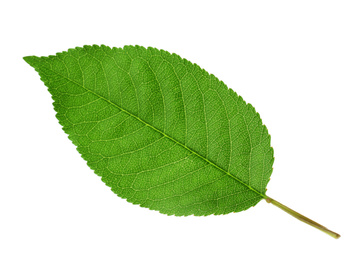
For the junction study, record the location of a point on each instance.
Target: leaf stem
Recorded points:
(302, 218)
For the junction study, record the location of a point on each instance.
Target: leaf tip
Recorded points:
(31, 60)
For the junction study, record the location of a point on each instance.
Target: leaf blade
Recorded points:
(168, 77)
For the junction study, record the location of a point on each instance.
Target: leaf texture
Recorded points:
(160, 131)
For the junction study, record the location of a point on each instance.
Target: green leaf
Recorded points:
(160, 131)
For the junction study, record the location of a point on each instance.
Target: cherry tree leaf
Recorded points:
(159, 130)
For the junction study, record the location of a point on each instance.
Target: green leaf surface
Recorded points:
(160, 131)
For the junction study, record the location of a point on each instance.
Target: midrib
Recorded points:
(161, 132)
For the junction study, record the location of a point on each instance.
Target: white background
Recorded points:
(293, 60)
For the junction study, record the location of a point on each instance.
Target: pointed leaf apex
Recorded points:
(32, 60)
